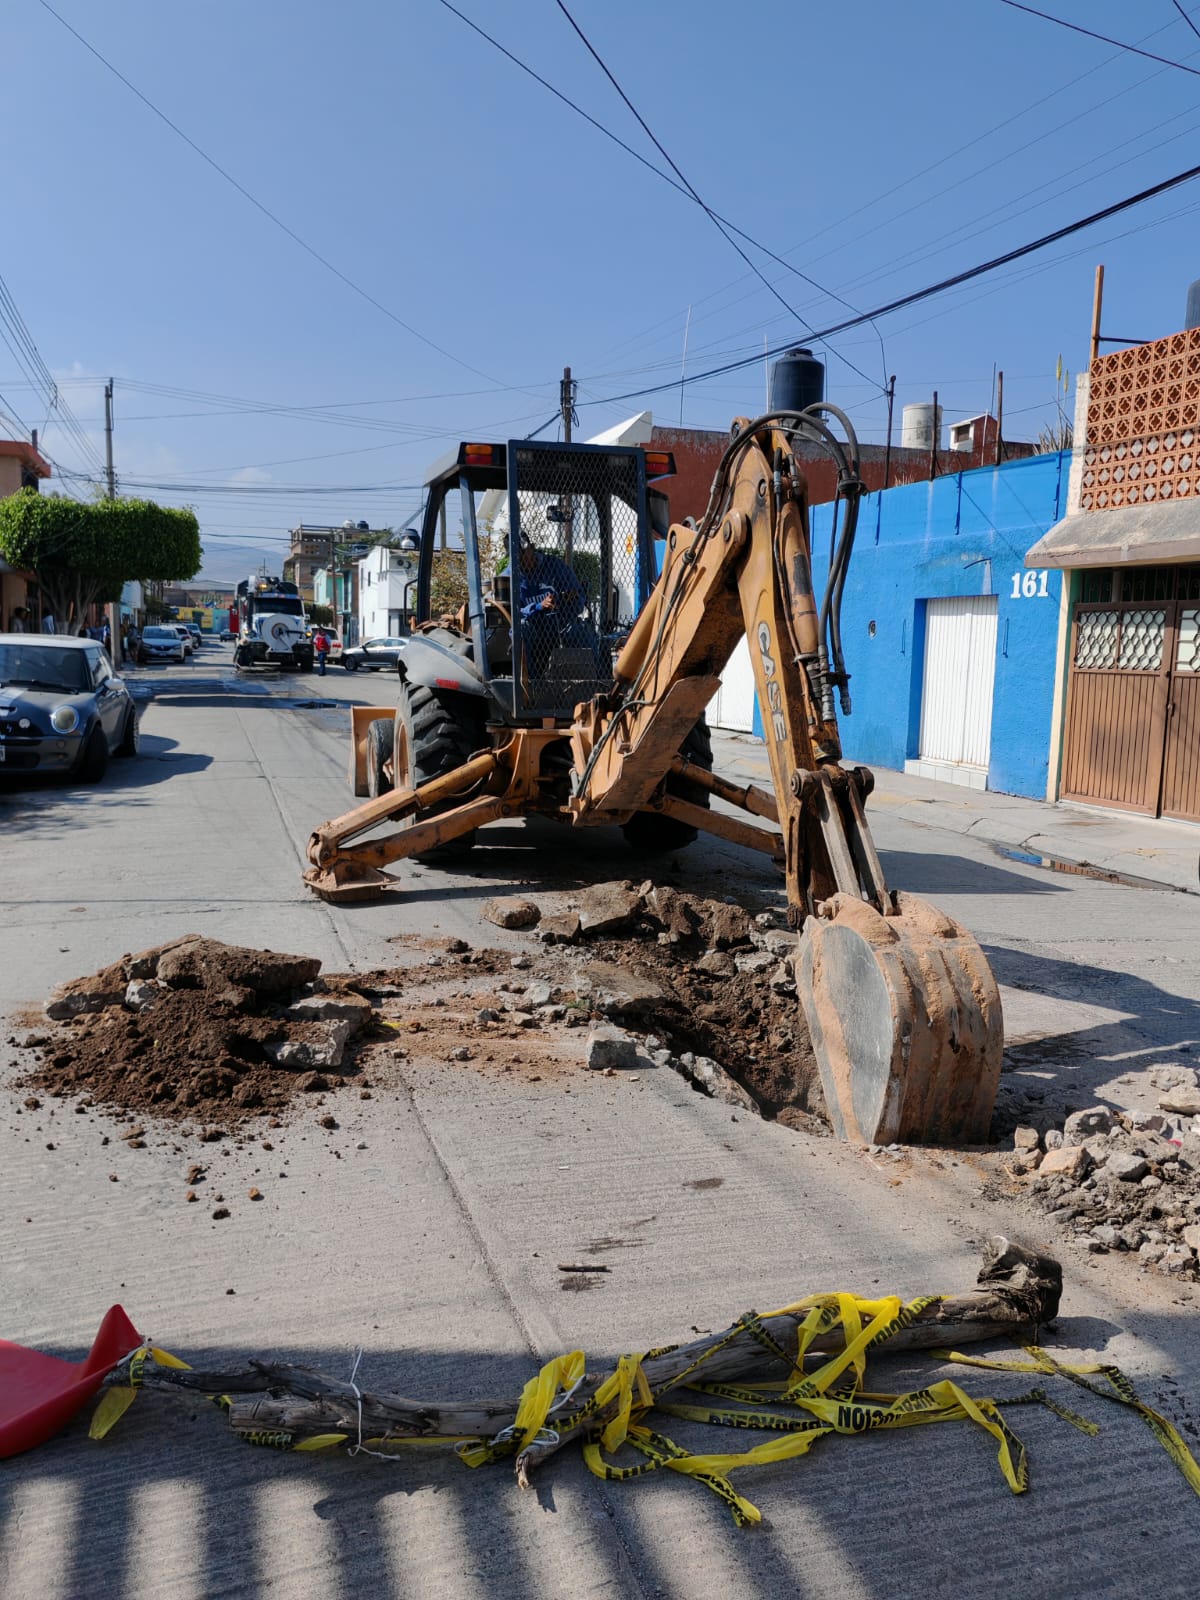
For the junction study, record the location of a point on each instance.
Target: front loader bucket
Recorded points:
(905, 1020)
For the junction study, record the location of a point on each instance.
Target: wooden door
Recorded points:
(1117, 704)
(1181, 762)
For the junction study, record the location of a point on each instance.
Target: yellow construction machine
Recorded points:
(572, 685)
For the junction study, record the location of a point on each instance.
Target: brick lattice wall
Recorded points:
(1143, 425)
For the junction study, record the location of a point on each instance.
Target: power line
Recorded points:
(682, 186)
(1076, 27)
(259, 206)
(930, 290)
(1186, 18)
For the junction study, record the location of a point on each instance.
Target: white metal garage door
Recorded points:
(733, 704)
(960, 669)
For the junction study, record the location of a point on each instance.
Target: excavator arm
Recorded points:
(902, 1007)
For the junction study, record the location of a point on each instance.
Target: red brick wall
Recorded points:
(698, 450)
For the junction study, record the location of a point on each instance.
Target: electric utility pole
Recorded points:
(566, 401)
(108, 432)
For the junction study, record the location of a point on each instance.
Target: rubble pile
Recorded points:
(199, 1030)
(1124, 1181)
(706, 985)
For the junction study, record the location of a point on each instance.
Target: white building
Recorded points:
(387, 580)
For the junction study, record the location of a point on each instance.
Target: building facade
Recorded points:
(22, 466)
(386, 592)
(951, 642)
(1127, 706)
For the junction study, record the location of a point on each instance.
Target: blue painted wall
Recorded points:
(960, 535)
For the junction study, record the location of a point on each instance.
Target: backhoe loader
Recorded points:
(572, 685)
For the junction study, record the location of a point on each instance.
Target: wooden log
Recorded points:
(1017, 1292)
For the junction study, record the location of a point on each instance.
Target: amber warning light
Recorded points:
(482, 455)
(660, 464)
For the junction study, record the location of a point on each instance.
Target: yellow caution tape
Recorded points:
(797, 1410)
(116, 1401)
(1120, 1390)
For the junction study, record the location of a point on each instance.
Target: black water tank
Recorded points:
(797, 381)
(1192, 320)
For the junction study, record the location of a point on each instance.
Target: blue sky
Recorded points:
(876, 148)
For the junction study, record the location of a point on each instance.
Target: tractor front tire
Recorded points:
(649, 832)
(379, 753)
(436, 731)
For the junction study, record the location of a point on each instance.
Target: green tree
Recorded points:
(82, 553)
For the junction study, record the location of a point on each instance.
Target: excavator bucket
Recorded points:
(905, 1020)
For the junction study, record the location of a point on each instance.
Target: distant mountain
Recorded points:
(228, 563)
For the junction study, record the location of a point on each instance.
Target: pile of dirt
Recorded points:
(199, 1030)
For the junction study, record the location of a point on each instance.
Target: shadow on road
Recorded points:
(31, 800)
(867, 1517)
(1154, 1027)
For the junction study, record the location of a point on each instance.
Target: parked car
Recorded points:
(227, 635)
(62, 708)
(197, 636)
(189, 644)
(373, 654)
(161, 643)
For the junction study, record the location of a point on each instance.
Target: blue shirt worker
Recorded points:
(553, 607)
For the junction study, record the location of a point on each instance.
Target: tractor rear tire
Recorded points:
(436, 731)
(649, 832)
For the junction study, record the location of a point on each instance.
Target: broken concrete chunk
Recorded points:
(755, 961)
(722, 1085)
(197, 963)
(1025, 1139)
(1181, 1102)
(81, 995)
(609, 1047)
(1191, 1236)
(350, 1008)
(1148, 1122)
(1081, 1125)
(1128, 1167)
(326, 1052)
(562, 929)
(609, 908)
(1053, 1139)
(619, 992)
(1070, 1161)
(510, 912)
(139, 994)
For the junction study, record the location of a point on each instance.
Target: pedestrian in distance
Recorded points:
(320, 650)
(19, 621)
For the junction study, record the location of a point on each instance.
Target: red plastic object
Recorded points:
(39, 1394)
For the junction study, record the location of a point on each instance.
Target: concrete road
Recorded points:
(426, 1230)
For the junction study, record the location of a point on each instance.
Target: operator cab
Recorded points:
(547, 551)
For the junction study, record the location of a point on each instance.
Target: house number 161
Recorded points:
(1031, 585)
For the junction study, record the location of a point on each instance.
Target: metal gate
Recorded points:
(1181, 761)
(1133, 708)
(959, 674)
